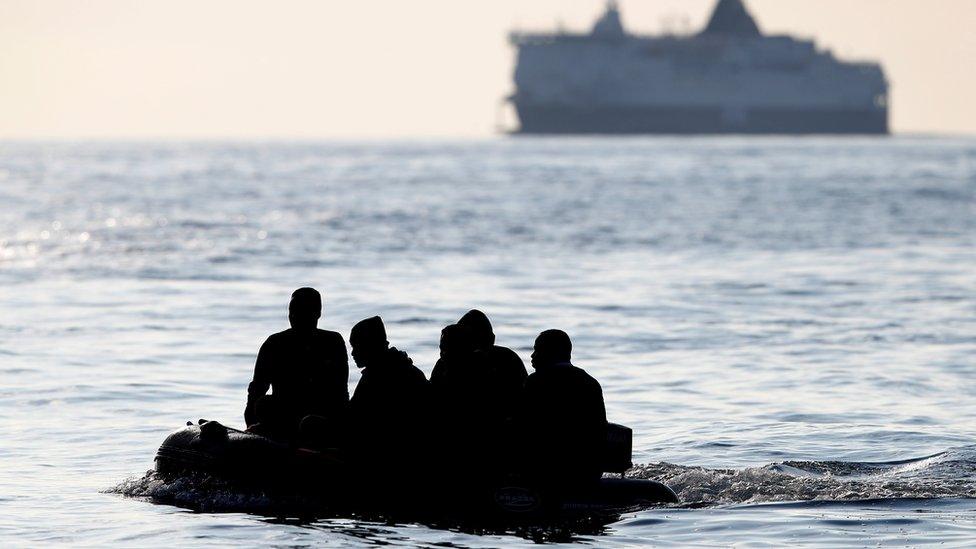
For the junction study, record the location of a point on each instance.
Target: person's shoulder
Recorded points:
(507, 355)
(417, 374)
(504, 351)
(399, 358)
(329, 335)
(535, 378)
(585, 376)
(278, 336)
(405, 364)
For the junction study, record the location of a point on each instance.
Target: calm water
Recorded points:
(788, 325)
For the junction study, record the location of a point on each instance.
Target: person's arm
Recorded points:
(437, 375)
(594, 450)
(340, 367)
(260, 383)
(519, 368)
(360, 396)
(334, 390)
(513, 382)
(524, 412)
(601, 406)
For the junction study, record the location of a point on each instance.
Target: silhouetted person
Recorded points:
(388, 412)
(503, 370)
(465, 441)
(306, 368)
(457, 348)
(471, 406)
(562, 418)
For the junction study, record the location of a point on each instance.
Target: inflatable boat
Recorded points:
(257, 462)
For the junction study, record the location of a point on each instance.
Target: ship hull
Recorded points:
(548, 119)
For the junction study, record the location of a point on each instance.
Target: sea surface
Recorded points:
(789, 325)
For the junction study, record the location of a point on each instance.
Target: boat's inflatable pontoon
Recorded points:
(254, 461)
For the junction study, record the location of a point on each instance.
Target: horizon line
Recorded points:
(135, 138)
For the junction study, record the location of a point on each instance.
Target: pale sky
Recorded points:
(394, 68)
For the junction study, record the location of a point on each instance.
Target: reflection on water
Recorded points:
(806, 303)
(364, 528)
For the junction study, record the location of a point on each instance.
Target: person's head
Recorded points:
(456, 341)
(478, 324)
(368, 341)
(551, 347)
(305, 308)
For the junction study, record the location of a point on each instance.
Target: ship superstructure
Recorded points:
(727, 78)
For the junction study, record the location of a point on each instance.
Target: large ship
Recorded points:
(727, 78)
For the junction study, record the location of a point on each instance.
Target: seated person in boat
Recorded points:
(476, 386)
(457, 410)
(562, 419)
(388, 412)
(475, 377)
(499, 367)
(307, 370)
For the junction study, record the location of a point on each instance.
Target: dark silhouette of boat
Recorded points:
(255, 462)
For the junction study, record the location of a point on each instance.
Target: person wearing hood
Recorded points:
(452, 369)
(456, 387)
(502, 370)
(477, 386)
(468, 436)
(388, 410)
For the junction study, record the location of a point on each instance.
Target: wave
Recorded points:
(950, 474)
(199, 492)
